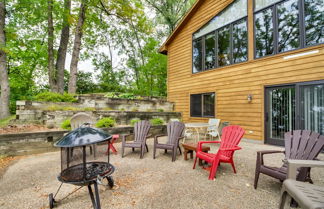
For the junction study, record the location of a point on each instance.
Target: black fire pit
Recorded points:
(79, 165)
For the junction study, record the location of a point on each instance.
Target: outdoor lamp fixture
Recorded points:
(249, 97)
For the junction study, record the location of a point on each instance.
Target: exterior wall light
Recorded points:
(249, 97)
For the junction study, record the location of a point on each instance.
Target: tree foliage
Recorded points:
(119, 38)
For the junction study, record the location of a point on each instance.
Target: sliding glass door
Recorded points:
(312, 107)
(295, 106)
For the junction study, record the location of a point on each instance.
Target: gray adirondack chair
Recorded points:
(83, 119)
(300, 145)
(80, 119)
(308, 196)
(141, 130)
(175, 130)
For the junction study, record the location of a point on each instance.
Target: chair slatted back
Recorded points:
(215, 123)
(141, 130)
(80, 119)
(303, 144)
(175, 130)
(231, 137)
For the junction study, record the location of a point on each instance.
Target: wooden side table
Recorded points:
(190, 148)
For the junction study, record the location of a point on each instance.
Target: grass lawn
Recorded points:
(4, 122)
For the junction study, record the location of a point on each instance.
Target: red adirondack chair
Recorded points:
(231, 136)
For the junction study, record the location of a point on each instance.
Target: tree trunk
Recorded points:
(50, 48)
(4, 81)
(61, 54)
(76, 49)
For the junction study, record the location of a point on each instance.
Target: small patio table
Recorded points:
(197, 127)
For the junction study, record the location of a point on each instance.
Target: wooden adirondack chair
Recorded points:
(231, 137)
(299, 145)
(141, 130)
(175, 130)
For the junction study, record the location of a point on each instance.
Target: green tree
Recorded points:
(4, 81)
(169, 12)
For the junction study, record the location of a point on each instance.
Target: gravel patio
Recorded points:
(149, 183)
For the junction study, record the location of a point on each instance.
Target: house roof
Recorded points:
(184, 20)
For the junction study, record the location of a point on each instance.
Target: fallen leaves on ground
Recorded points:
(5, 161)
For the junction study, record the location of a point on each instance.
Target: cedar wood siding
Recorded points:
(233, 83)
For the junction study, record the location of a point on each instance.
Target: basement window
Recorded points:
(202, 105)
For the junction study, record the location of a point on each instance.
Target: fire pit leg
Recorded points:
(97, 195)
(92, 197)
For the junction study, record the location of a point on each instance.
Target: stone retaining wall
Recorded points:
(51, 136)
(96, 105)
(55, 118)
(100, 103)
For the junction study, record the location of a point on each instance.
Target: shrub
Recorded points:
(134, 120)
(53, 108)
(61, 108)
(160, 110)
(111, 95)
(4, 122)
(122, 95)
(157, 121)
(134, 109)
(66, 124)
(89, 109)
(54, 97)
(69, 108)
(106, 123)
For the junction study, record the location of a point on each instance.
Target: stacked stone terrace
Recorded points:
(122, 110)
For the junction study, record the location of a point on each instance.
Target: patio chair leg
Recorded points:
(233, 166)
(133, 149)
(165, 151)
(282, 199)
(122, 151)
(142, 152)
(257, 172)
(154, 151)
(194, 166)
(213, 170)
(146, 148)
(174, 153)
(180, 150)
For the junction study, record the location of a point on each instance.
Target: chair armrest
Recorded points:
(265, 152)
(178, 139)
(157, 136)
(124, 138)
(200, 143)
(149, 136)
(231, 149)
(294, 164)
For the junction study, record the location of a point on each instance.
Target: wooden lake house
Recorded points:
(254, 63)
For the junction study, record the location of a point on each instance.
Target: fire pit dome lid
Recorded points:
(83, 136)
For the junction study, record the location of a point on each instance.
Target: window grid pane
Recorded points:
(314, 22)
(224, 49)
(197, 55)
(288, 26)
(210, 56)
(264, 33)
(240, 42)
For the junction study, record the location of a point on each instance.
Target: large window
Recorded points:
(223, 40)
(202, 105)
(282, 26)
